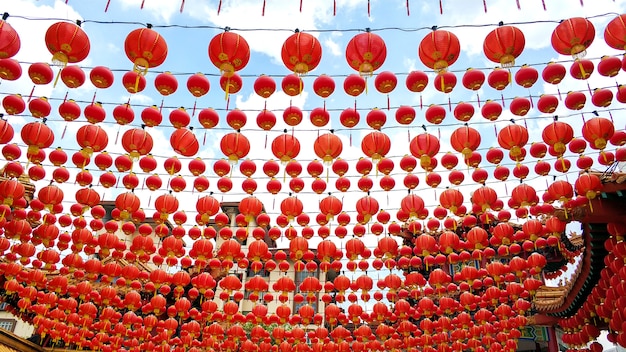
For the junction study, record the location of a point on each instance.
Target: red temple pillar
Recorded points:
(553, 344)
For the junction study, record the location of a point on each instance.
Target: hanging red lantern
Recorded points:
(553, 73)
(292, 85)
(328, 147)
(573, 36)
(424, 146)
(235, 146)
(513, 138)
(435, 114)
(575, 100)
(198, 84)
(266, 120)
(292, 115)
(439, 49)
(229, 52)
(146, 49)
(547, 103)
(609, 66)
(386, 82)
(91, 138)
(354, 85)
(264, 86)
(165, 83)
(602, 97)
(40, 73)
(376, 145)
(520, 106)
(208, 118)
(319, 117)
(615, 33)
(367, 207)
(465, 140)
(598, 131)
(581, 69)
(526, 76)
(67, 43)
(286, 147)
(72, 76)
(231, 84)
(416, 81)
(498, 79)
(324, 86)
(463, 111)
(405, 114)
(133, 82)
(37, 135)
(101, 77)
(9, 39)
(39, 107)
(137, 142)
(491, 110)
(13, 104)
(301, 52)
(10, 69)
(588, 185)
(236, 119)
(445, 81)
(504, 44)
(473, 79)
(366, 52)
(184, 142)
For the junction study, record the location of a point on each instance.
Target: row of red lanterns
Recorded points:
(301, 52)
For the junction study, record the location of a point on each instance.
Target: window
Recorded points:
(300, 276)
(8, 324)
(3, 306)
(262, 273)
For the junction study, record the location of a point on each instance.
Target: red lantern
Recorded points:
(473, 79)
(367, 207)
(498, 79)
(324, 86)
(615, 33)
(235, 146)
(366, 52)
(424, 146)
(553, 73)
(91, 138)
(439, 49)
(101, 77)
(547, 103)
(602, 97)
(266, 120)
(598, 131)
(137, 142)
(354, 85)
(416, 81)
(40, 73)
(386, 82)
(581, 69)
(133, 82)
(166, 83)
(513, 138)
(328, 147)
(520, 106)
(9, 40)
(145, 48)
(37, 135)
(67, 43)
(609, 66)
(445, 81)
(229, 52)
(184, 142)
(72, 76)
(491, 110)
(575, 100)
(588, 185)
(504, 44)
(465, 140)
(301, 52)
(573, 36)
(526, 76)
(264, 86)
(376, 145)
(198, 85)
(123, 114)
(14, 104)
(285, 147)
(10, 69)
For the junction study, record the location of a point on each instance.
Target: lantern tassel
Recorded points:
(93, 99)
(408, 10)
(588, 87)
(369, 7)
(182, 6)
(300, 5)
(64, 130)
(502, 98)
(263, 10)
(32, 91)
(530, 97)
(334, 7)
(193, 112)
(518, 5)
(440, 7)
(388, 102)
(485, 5)
(106, 8)
(421, 102)
(478, 99)
(219, 7)
(142, 3)
(204, 139)
(449, 104)
(117, 135)
(543, 2)
(558, 92)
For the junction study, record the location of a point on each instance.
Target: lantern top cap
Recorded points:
(5, 16)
